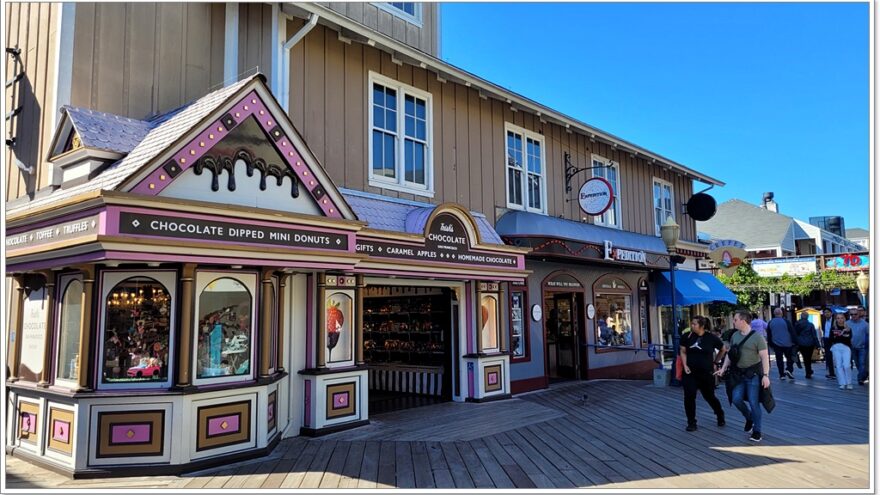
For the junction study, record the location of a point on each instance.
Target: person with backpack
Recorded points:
(749, 363)
(807, 341)
(697, 353)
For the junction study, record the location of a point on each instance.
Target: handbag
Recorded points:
(767, 399)
(679, 369)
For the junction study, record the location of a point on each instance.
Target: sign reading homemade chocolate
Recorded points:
(211, 230)
(80, 227)
(447, 241)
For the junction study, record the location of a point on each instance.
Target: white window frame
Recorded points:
(526, 134)
(661, 182)
(600, 219)
(416, 19)
(400, 183)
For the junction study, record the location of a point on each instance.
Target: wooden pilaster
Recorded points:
(187, 300)
(50, 329)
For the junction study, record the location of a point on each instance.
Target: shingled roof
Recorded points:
(752, 225)
(156, 135)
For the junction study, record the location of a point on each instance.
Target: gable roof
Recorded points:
(163, 131)
(752, 225)
(105, 131)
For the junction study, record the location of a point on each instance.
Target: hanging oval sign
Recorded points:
(596, 196)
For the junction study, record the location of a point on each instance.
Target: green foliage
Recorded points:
(751, 290)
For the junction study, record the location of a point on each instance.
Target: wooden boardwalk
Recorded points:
(627, 434)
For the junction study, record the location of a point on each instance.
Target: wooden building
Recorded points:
(324, 172)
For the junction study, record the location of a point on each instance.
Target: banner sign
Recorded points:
(848, 262)
(53, 233)
(239, 232)
(776, 267)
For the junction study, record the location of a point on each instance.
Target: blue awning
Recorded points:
(692, 288)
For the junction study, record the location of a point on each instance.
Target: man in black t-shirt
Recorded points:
(698, 359)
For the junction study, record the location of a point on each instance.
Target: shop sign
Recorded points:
(33, 335)
(777, 267)
(596, 196)
(489, 287)
(332, 280)
(564, 283)
(847, 262)
(447, 241)
(239, 232)
(619, 254)
(727, 255)
(53, 233)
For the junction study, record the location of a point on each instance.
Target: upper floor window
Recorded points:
(526, 187)
(610, 218)
(409, 11)
(400, 137)
(662, 203)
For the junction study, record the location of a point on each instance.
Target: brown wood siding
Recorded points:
(328, 105)
(254, 39)
(422, 37)
(140, 59)
(33, 28)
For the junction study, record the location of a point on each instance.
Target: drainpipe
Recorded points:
(285, 58)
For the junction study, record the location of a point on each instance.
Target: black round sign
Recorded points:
(701, 207)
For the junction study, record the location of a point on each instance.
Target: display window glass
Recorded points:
(136, 335)
(518, 319)
(489, 322)
(613, 320)
(273, 330)
(69, 321)
(225, 328)
(338, 322)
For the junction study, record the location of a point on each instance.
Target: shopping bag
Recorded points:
(679, 369)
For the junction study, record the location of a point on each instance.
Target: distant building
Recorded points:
(860, 236)
(835, 224)
(769, 234)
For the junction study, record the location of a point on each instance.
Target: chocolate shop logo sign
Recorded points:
(596, 196)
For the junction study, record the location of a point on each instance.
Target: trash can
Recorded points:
(662, 377)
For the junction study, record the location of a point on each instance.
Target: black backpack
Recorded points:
(735, 350)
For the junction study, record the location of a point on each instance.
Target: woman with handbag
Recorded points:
(697, 356)
(841, 347)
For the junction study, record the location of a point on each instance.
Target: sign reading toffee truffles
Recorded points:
(212, 230)
(447, 241)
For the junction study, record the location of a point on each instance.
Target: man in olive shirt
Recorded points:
(750, 372)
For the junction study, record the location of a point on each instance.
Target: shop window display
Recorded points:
(517, 323)
(136, 332)
(68, 331)
(614, 320)
(489, 323)
(338, 322)
(406, 326)
(225, 329)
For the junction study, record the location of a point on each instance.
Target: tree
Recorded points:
(747, 286)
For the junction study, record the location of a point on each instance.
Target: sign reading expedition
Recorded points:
(596, 196)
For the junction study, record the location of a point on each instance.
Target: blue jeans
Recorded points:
(861, 358)
(748, 389)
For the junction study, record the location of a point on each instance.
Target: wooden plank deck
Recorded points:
(628, 434)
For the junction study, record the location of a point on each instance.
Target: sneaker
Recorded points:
(789, 375)
(748, 427)
(830, 377)
(861, 382)
(782, 378)
(849, 387)
(721, 421)
(810, 376)
(691, 427)
(756, 436)
(842, 387)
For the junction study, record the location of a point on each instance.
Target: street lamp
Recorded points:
(863, 282)
(669, 232)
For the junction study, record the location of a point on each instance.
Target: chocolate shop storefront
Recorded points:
(198, 288)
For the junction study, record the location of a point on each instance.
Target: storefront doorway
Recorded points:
(563, 327)
(408, 340)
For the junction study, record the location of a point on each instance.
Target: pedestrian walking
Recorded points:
(698, 360)
(827, 321)
(749, 363)
(780, 335)
(807, 341)
(859, 328)
(841, 346)
(759, 325)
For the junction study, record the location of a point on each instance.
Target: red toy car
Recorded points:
(148, 371)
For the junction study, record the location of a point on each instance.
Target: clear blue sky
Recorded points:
(764, 97)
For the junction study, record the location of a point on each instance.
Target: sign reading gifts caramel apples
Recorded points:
(447, 240)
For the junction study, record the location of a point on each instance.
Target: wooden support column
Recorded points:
(359, 320)
(50, 329)
(185, 330)
(266, 302)
(477, 308)
(503, 317)
(84, 369)
(16, 309)
(282, 302)
(320, 329)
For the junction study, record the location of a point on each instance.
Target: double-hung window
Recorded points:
(610, 171)
(526, 185)
(400, 137)
(408, 11)
(662, 203)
